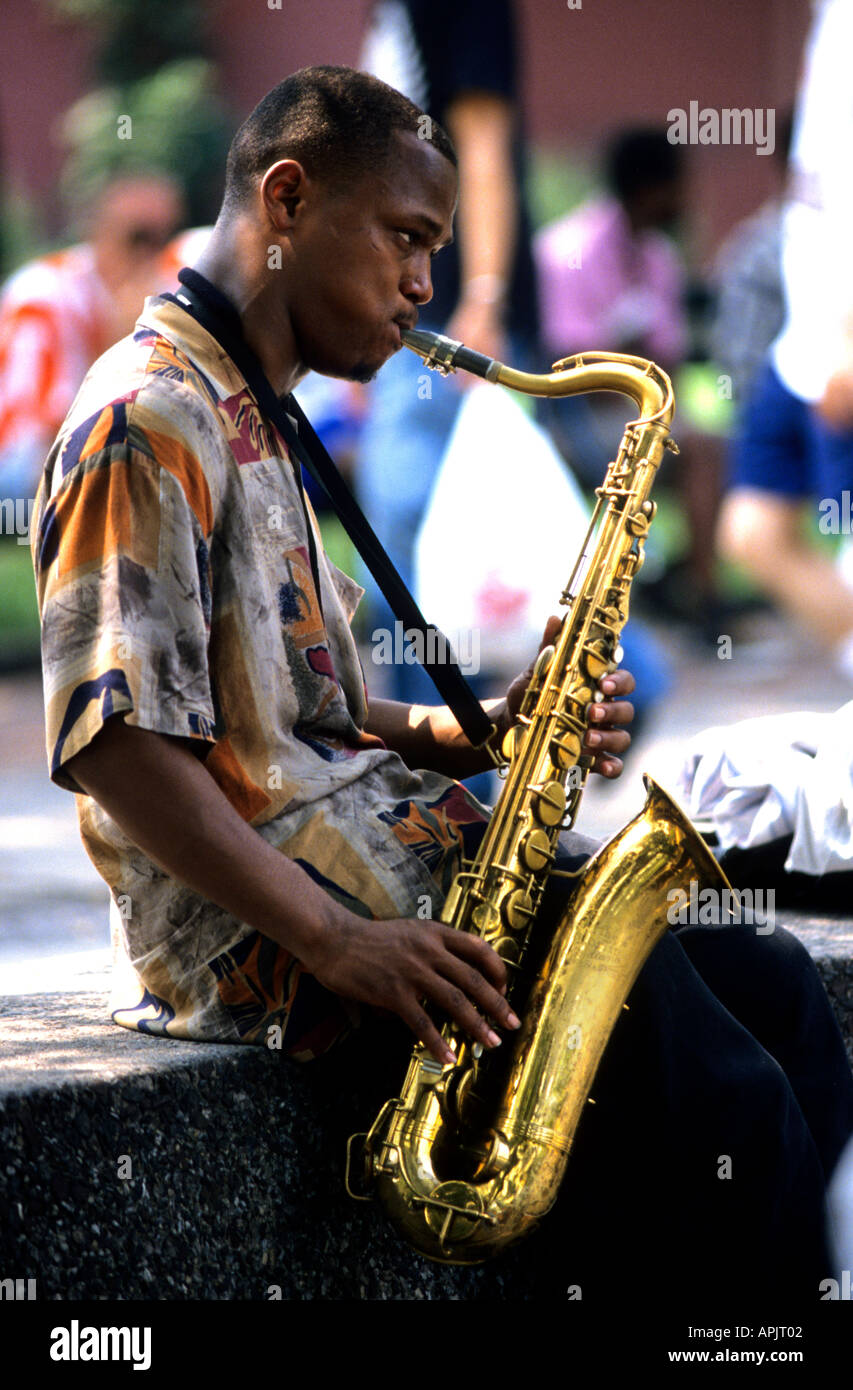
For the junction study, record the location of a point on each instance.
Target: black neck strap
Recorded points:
(218, 316)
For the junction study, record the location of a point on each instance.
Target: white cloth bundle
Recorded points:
(785, 774)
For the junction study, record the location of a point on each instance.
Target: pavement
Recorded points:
(54, 933)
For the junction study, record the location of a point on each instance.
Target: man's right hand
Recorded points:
(168, 804)
(400, 964)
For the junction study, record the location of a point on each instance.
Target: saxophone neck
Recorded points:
(643, 381)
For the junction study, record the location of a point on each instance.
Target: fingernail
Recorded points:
(512, 1020)
(493, 1039)
(593, 738)
(609, 686)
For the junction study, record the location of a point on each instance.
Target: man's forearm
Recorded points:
(480, 125)
(168, 804)
(428, 736)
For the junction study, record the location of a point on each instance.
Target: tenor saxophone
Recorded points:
(470, 1156)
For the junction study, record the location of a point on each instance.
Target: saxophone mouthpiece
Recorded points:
(446, 355)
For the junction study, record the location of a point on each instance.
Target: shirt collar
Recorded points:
(162, 316)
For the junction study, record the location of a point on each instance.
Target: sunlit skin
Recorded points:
(354, 268)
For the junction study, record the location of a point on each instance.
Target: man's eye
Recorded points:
(408, 237)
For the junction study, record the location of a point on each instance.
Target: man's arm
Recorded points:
(168, 804)
(428, 736)
(480, 125)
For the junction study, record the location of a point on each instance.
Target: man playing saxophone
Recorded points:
(282, 860)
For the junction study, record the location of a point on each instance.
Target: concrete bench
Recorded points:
(141, 1168)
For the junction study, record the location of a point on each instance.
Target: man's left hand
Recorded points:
(607, 737)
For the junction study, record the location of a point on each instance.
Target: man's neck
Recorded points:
(231, 263)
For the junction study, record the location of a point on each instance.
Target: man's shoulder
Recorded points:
(145, 396)
(149, 368)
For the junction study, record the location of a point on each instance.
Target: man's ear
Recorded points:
(283, 189)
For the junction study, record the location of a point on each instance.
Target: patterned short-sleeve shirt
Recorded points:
(175, 585)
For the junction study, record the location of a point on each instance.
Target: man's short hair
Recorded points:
(335, 121)
(639, 159)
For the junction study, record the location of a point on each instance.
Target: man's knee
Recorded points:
(764, 953)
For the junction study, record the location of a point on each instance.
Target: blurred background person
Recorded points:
(458, 60)
(611, 277)
(60, 312)
(749, 295)
(795, 445)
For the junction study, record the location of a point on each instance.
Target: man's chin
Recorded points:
(363, 372)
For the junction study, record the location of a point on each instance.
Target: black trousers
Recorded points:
(723, 1101)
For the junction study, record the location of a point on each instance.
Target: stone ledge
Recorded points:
(237, 1170)
(236, 1161)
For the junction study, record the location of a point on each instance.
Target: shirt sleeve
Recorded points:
(667, 326)
(121, 557)
(479, 49)
(566, 324)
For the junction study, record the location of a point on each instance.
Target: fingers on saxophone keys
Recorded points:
(608, 767)
(619, 682)
(426, 1032)
(459, 1007)
(475, 1004)
(614, 712)
(607, 740)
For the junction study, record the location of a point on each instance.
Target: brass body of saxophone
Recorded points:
(470, 1156)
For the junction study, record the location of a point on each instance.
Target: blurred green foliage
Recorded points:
(22, 236)
(150, 66)
(19, 622)
(177, 124)
(556, 183)
(139, 36)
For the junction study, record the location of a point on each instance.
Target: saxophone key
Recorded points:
(517, 909)
(535, 850)
(595, 664)
(509, 950)
(542, 664)
(549, 803)
(565, 749)
(487, 919)
(512, 741)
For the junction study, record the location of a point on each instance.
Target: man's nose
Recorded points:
(417, 284)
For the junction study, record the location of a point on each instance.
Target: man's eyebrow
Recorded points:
(433, 228)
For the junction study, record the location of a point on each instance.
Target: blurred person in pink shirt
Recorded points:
(62, 311)
(610, 278)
